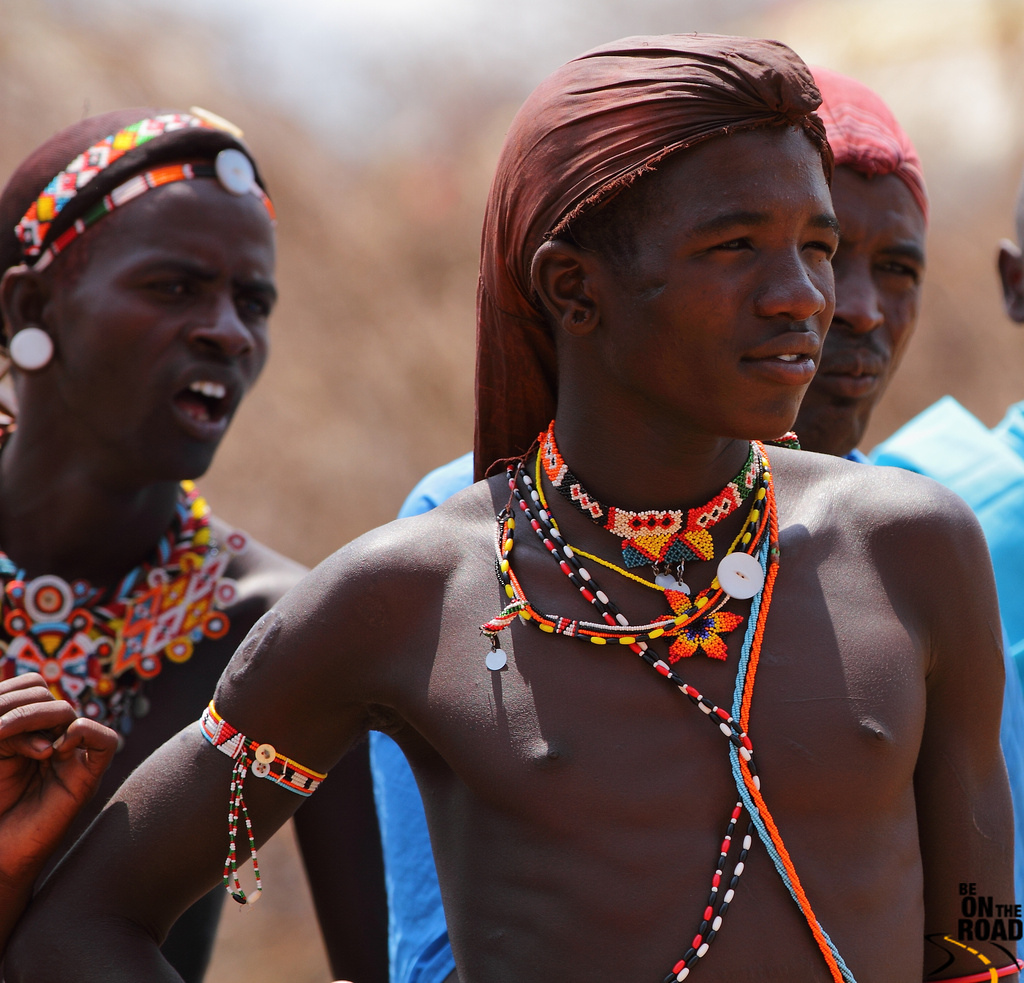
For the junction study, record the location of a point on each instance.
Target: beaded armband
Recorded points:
(987, 974)
(264, 762)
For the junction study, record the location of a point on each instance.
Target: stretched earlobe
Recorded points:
(1011, 273)
(31, 349)
(559, 275)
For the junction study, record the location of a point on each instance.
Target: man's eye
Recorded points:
(254, 307)
(900, 270)
(828, 248)
(733, 245)
(170, 288)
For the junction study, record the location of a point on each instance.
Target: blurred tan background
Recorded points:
(376, 125)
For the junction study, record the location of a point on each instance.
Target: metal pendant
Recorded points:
(667, 580)
(496, 658)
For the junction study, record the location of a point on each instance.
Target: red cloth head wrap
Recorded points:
(864, 133)
(588, 131)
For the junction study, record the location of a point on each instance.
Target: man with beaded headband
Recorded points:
(138, 250)
(605, 801)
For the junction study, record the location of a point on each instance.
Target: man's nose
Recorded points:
(857, 302)
(222, 330)
(794, 291)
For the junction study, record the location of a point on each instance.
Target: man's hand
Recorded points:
(51, 763)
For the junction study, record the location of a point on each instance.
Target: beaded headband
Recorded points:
(232, 168)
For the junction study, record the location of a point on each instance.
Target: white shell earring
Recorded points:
(31, 349)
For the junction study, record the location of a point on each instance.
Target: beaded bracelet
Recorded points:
(986, 974)
(265, 762)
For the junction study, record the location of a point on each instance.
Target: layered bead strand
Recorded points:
(759, 536)
(533, 507)
(237, 810)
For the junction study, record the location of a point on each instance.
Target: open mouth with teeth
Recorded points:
(204, 401)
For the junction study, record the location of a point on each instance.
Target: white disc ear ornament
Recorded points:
(31, 349)
(740, 575)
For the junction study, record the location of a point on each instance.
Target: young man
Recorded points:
(51, 762)
(801, 768)
(880, 201)
(986, 468)
(138, 250)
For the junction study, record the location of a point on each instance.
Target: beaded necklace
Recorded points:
(732, 725)
(660, 538)
(697, 623)
(95, 647)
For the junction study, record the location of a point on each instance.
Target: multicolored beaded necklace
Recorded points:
(660, 538)
(95, 647)
(760, 535)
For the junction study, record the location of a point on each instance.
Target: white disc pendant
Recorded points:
(496, 659)
(740, 575)
(667, 581)
(234, 171)
(31, 349)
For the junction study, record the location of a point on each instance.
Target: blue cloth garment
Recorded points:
(986, 469)
(418, 946)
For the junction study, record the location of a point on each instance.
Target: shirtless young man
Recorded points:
(880, 201)
(135, 333)
(578, 799)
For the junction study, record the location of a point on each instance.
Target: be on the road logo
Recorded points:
(984, 921)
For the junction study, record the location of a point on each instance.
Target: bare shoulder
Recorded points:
(263, 575)
(401, 570)
(892, 540)
(869, 500)
(371, 613)
(427, 549)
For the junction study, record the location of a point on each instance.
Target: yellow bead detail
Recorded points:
(754, 515)
(746, 538)
(627, 641)
(505, 564)
(701, 601)
(508, 591)
(597, 640)
(548, 628)
(760, 494)
(656, 633)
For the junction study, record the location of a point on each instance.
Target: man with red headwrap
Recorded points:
(725, 759)
(880, 200)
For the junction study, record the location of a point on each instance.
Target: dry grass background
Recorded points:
(370, 380)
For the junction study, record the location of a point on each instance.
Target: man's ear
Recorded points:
(1011, 273)
(23, 296)
(560, 276)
